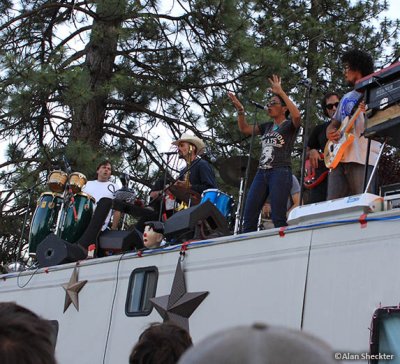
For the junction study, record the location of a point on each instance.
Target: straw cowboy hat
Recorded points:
(197, 142)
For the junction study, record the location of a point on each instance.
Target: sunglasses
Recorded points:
(330, 106)
(272, 103)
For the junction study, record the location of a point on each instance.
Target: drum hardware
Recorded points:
(238, 219)
(221, 200)
(127, 196)
(233, 169)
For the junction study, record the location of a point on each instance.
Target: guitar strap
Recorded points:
(353, 110)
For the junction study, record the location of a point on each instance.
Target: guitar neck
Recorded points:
(350, 123)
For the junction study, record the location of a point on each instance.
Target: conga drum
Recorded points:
(76, 217)
(44, 219)
(76, 181)
(57, 181)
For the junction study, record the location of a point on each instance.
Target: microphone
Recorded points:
(306, 82)
(256, 104)
(67, 166)
(124, 178)
(169, 153)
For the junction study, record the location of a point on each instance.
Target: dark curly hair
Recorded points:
(358, 60)
(326, 97)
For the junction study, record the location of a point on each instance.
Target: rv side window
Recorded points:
(385, 334)
(142, 287)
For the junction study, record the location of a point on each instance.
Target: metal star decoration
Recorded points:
(72, 289)
(179, 305)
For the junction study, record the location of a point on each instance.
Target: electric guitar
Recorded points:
(310, 179)
(334, 151)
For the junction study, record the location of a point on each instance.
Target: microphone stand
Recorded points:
(305, 138)
(164, 184)
(246, 178)
(67, 202)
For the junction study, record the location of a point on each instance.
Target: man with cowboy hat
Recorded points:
(198, 175)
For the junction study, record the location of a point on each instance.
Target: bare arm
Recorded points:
(244, 127)
(277, 89)
(314, 157)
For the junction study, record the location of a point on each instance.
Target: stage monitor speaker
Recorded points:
(54, 251)
(202, 221)
(114, 242)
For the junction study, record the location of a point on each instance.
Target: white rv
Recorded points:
(332, 274)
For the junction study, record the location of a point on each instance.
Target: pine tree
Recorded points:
(91, 80)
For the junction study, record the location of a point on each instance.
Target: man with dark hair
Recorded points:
(348, 176)
(25, 338)
(316, 144)
(103, 188)
(160, 343)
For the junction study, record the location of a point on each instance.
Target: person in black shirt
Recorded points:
(316, 145)
(198, 175)
(274, 174)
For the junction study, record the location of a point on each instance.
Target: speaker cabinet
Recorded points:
(202, 221)
(54, 251)
(115, 242)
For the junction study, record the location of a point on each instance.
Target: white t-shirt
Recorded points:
(357, 151)
(99, 190)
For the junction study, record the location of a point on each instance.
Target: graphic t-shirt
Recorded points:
(277, 144)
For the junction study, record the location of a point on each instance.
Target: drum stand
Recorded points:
(237, 228)
(67, 194)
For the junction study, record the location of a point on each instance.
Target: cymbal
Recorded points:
(184, 194)
(234, 168)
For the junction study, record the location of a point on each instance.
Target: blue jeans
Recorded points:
(347, 179)
(276, 183)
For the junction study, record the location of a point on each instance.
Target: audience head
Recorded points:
(25, 338)
(259, 344)
(160, 343)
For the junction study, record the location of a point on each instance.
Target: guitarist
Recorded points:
(316, 145)
(348, 177)
(196, 177)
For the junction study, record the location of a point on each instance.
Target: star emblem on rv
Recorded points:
(72, 289)
(179, 305)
